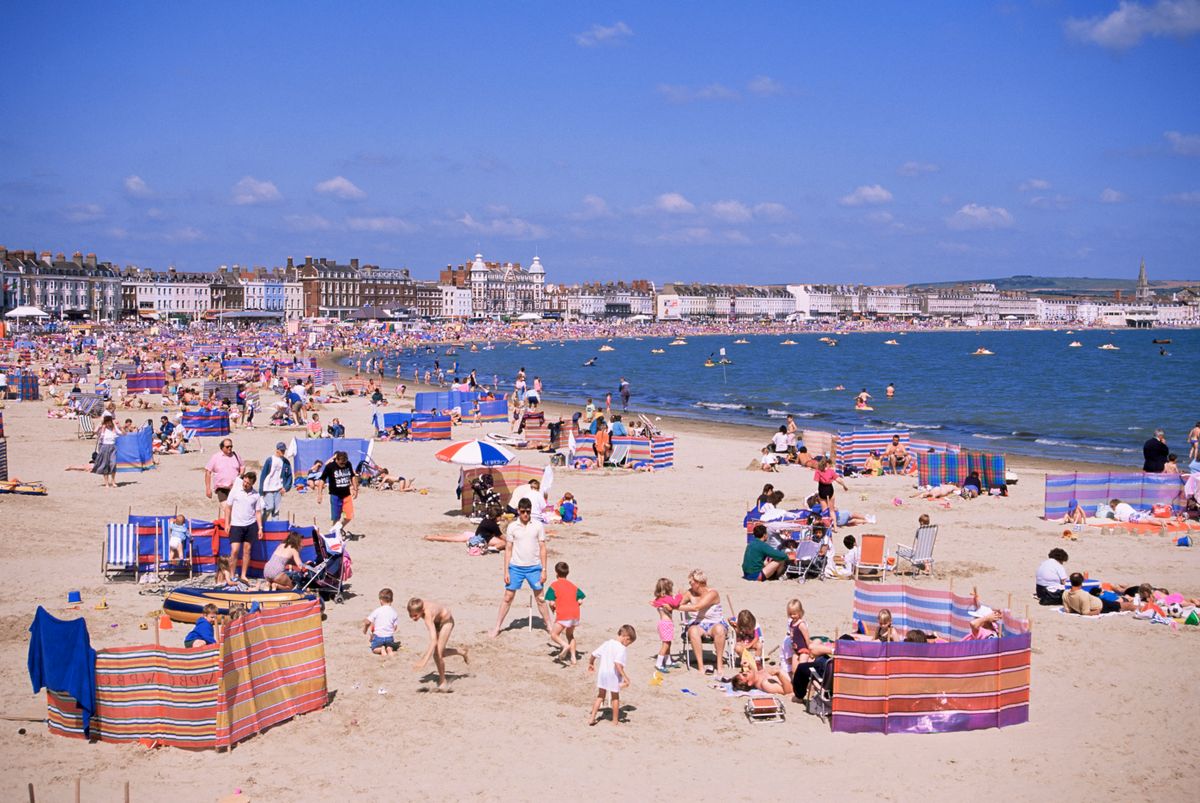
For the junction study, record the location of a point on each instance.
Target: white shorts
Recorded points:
(567, 622)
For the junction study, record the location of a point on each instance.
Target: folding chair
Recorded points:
(706, 637)
(805, 566)
(87, 428)
(119, 552)
(619, 455)
(165, 564)
(872, 556)
(920, 554)
(189, 437)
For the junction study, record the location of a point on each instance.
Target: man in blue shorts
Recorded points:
(524, 562)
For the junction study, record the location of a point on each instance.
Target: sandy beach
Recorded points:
(1112, 713)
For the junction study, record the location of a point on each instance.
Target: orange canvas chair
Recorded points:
(872, 556)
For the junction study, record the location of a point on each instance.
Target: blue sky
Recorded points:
(881, 143)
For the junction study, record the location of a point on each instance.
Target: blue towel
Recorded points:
(202, 631)
(61, 659)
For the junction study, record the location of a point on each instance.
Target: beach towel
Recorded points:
(61, 659)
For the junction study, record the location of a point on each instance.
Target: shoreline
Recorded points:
(755, 436)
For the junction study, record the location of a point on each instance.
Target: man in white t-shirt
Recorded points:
(243, 512)
(532, 491)
(524, 562)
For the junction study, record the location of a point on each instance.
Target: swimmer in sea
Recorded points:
(891, 390)
(590, 362)
(840, 387)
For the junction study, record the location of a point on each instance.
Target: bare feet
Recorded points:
(443, 686)
(463, 652)
(493, 633)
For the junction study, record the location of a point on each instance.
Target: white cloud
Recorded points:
(604, 34)
(1111, 196)
(769, 210)
(866, 195)
(881, 217)
(1034, 184)
(731, 211)
(186, 234)
(83, 213)
(1184, 144)
(975, 216)
(1186, 198)
(764, 86)
(735, 236)
(136, 187)
(693, 235)
(385, 223)
(1050, 201)
(594, 208)
(251, 191)
(677, 93)
(307, 223)
(341, 187)
(1132, 22)
(674, 203)
(513, 227)
(913, 169)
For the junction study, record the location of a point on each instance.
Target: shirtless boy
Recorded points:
(440, 622)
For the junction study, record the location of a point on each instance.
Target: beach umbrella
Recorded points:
(475, 453)
(26, 312)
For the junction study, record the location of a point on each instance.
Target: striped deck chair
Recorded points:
(87, 428)
(920, 554)
(119, 552)
(166, 565)
(619, 454)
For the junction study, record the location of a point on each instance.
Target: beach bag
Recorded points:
(1161, 511)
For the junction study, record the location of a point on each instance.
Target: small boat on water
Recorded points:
(658, 351)
(741, 341)
(607, 348)
(1162, 341)
(535, 348)
(1074, 344)
(524, 342)
(788, 343)
(982, 352)
(891, 342)
(823, 339)
(1109, 347)
(679, 341)
(831, 342)
(709, 364)
(724, 361)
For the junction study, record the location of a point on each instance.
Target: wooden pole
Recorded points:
(31, 797)
(127, 792)
(77, 782)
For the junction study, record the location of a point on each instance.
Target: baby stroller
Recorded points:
(327, 576)
(483, 496)
(368, 472)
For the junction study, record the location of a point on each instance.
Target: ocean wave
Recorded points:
(1016, 433)
(776, 413)
(903, 425)
(987, 437)
(1053, 442)
(721, 406)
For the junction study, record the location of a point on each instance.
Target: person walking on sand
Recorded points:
(524, 562)
(440, 622)
(611, 676)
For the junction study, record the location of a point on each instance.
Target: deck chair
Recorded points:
(619, 455)
(705, 638)
(920, 554)
(119, 552)
(190, 439)
(872, 556)
(87, 427)
(809, 562)
(166, 566)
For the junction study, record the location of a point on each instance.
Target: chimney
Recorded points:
(308, 260)
(60, 257)
(46, 257)
(289, 264)
(354, 264)
(77, 258)
(90, 260)
(3, 252)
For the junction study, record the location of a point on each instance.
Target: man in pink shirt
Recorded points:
(223, 470)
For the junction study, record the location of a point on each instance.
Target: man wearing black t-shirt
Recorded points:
(342, 482)
(1155, 453)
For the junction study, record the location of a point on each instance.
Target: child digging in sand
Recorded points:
(564, 598)
(381, 626)
(440, 622)
(611, 677)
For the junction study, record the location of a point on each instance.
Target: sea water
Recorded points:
(1035, 395)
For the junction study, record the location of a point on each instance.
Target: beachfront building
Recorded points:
(427, 300)
(161, 295)
(79, 287)
(293, 298)
(456, 301)
(265, 290)
(825, 300)
(499, 289)
(330, 290)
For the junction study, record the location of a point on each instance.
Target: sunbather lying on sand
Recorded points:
(773, 681)
(936, 492)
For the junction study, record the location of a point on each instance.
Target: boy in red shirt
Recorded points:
(564, 598)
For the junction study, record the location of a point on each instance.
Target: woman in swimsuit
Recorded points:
(772, 681)
(826, 476)
(708, 618)
(276, 571)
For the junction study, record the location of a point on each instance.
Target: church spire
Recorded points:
(1143, 285)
